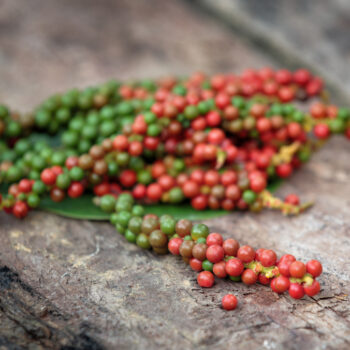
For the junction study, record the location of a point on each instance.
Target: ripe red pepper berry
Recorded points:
(229, 302)
(205, 279)
(296, 290)
(215, 253)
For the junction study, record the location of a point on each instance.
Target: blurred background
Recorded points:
(50, 46)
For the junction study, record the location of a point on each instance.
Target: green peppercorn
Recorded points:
(199, 230)
(13, 174)
(33, 200)
(207, 265)
(144, 177)
(176, 195)
(142, 241)
(138, 210)
(107, 203)
(123, 206)
(337, 126)
(168, 226)
(122, 159)
(149, 225)
(191, 112)
(121, 229)
(158, 239)
(154, 130)
(130, 236)
(201, 240)
(150, 117)
(123, 218)
(63, 181)
(249, 196)
(135, 224)
(113, 218)
(113, 169)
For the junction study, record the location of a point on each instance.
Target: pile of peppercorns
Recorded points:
(216, 142)
(208, 253)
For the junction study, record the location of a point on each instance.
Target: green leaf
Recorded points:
(83, 208)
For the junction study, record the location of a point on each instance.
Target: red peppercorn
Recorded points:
(102, 189)
(199, 123)
(196, 264)
(318, 110)
(199, 202)
(57, 170)
(222, 100)
(75, 190)
(292, 199)
(198, 176)
(297, 269)
(227, 204)
(313, 289)
(284, 170)
(20, 209)
(296, 290)
(286, 93)
(229, 177)
(229, 302)
(283, 76)
(280, 284)
(211, 178)
(48, 177)
(249, 276)
(135, 148)
(219, 269)
(71, 162)
(258, 184)
(314, 268)
(314, 87)
(231, 247)
(139, 191)
(268, 257)
(190, 189)
(301, 76)
(128, 178)
(234, 267)
(294, 130)
(263, 279)
(166, 182)
(158, 169)
(216, 136)
(25, 186)
(205, 279)
(233, 192)
(151, 143)
(174, 245)
(214, 239)
(213, 118)
(322, 131)
(215, 253)
(246, 253)
(154, 192)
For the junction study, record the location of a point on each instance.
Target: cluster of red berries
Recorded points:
(225, 258)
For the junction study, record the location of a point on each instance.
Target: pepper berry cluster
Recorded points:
(215, 142)
(208, 253)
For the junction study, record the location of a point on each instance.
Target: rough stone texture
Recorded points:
(78, 285)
